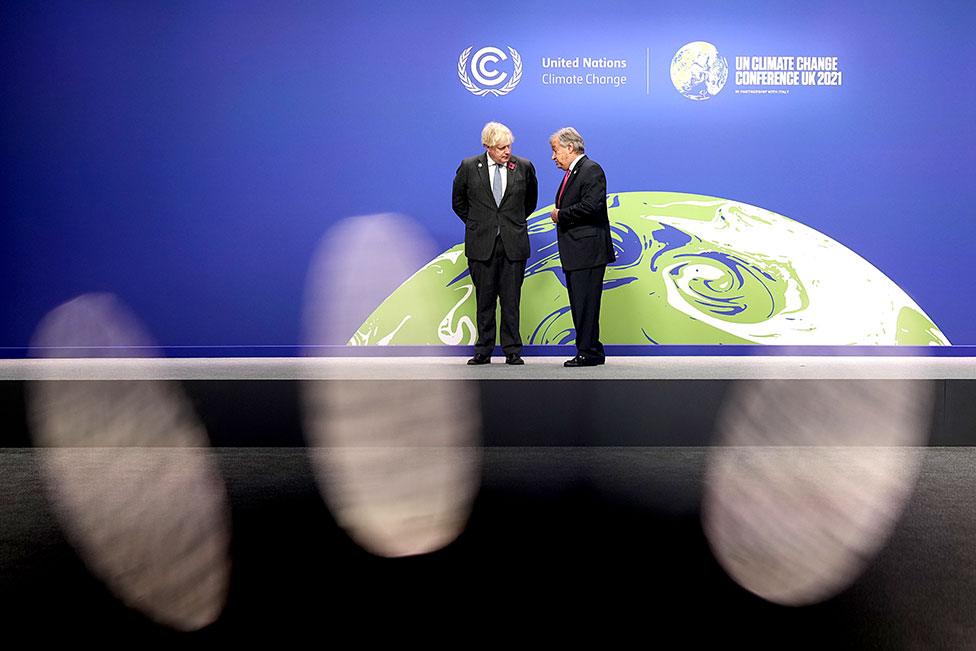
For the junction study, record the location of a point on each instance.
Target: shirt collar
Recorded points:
(492, 162)
(575, 160)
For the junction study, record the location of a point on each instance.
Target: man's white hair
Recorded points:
(494, 133)
(568, 136)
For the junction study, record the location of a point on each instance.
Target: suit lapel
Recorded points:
(574, 174)
(483, 174)
(512, 175)
(572, 177)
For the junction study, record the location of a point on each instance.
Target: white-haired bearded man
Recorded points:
(585, 244)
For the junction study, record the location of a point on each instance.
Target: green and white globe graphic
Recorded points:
(698, 71)
(690, 269)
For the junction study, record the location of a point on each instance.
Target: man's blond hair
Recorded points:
(494, 133)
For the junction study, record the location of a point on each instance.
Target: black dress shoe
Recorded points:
(514, 359)
(478, 359)
(580, 360)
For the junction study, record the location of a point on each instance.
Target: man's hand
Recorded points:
(554, 215)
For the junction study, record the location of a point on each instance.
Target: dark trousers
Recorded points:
(585, 287)
(498, 278)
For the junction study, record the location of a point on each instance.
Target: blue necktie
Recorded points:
(497, 185)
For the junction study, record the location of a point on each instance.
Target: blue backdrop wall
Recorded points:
(189, 156)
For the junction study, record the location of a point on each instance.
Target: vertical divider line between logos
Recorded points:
(647, 71)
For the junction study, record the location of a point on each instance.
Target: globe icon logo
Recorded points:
(698, 71)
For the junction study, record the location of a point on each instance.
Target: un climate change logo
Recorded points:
(698, 71)
(489, 77)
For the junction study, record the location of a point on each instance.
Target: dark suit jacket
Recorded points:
(475, 205)
(583, 230)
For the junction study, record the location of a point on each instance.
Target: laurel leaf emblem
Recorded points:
(480, 92)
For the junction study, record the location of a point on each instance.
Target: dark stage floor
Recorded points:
(586, 503)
